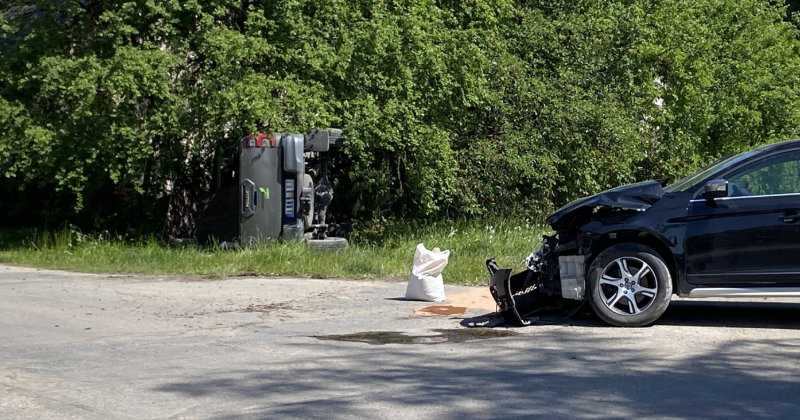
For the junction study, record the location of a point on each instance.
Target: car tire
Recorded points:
(308, 218)
(328, 244)
(629, 285)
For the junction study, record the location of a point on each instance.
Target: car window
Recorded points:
(720, 164)
(777, 174)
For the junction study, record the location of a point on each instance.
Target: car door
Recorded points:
(751, 237)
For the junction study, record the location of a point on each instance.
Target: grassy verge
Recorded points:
(378, 252)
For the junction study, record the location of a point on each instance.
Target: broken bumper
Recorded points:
(549, 281)
(517, 296)
(500, 288)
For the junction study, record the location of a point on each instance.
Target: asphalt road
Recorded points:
(127, 347)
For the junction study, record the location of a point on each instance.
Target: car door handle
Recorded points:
(789, 217)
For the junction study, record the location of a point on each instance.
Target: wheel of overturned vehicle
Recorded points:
(308, 183)
(629, 285)
(331, 243)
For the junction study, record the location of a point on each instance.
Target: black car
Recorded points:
(731, 229)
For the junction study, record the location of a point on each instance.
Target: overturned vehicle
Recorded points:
(729, 230)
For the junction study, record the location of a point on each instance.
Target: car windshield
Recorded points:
(721, 163)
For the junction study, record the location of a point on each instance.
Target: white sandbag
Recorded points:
(425, 281)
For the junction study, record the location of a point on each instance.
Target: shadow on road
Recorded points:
(782, 315)
(696, 313)
(553, 374)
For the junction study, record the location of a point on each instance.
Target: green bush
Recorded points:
(453, 108)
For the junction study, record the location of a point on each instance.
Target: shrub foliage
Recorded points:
(463, 107)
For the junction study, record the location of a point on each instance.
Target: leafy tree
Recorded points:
(109, 108)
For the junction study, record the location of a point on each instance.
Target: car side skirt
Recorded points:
(744, 292)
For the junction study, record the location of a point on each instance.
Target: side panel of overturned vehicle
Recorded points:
(618, 233)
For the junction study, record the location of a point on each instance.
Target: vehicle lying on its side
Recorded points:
(729, 230)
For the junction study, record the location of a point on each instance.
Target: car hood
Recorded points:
(637, 197)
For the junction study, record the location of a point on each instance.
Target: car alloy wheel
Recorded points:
(628, 286)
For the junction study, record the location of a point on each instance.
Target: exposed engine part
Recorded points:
(573, 277)
(534, 261)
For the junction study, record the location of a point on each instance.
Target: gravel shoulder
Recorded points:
(137, 347)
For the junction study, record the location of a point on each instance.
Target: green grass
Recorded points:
(376, 252)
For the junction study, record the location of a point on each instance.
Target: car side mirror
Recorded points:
(715, 188)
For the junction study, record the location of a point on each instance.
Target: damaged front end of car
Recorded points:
(555, 277)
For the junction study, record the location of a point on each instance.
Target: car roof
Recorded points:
(787, 144)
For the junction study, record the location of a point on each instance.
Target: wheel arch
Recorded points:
(641, 237)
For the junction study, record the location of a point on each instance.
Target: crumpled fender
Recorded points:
(639, 197)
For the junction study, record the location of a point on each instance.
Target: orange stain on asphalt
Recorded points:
(477, 298)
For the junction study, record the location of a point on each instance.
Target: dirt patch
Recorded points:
(267, 308)
(477, 298)
(441, 310)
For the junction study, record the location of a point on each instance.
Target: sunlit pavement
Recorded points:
(120, 347)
